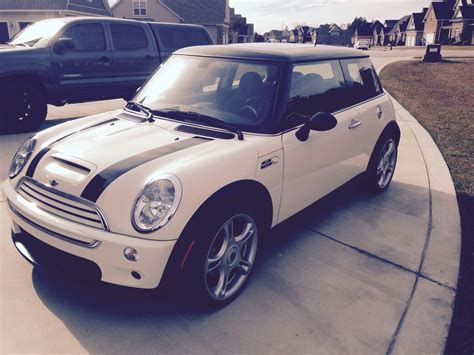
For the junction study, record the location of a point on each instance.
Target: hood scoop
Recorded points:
(67, 169)
(124, 115)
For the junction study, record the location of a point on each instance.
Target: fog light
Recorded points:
(136, 275)
(130, 254)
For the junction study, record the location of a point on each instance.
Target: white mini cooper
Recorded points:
(220, 145)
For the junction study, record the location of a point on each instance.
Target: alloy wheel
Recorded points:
(386, 165)
(231, 257)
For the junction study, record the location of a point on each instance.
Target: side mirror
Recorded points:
(63, 44)
(321, 122)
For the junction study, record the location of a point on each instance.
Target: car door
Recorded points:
(327, 160)
(366, 93)
(85, 71)
(135, 55)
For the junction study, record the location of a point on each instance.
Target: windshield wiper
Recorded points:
(142, 108)
(197, 117)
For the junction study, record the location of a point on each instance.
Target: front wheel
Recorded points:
(24, 107)
(222, 253)
(382, 165)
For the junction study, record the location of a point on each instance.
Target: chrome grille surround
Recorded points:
(62, 205)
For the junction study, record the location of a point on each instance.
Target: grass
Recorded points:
(441, 97)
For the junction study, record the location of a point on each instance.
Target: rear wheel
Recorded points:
(24, 107)
(382, 165)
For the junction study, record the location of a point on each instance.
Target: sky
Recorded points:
(271, 14)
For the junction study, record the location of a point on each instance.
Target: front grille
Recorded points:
(60, 204)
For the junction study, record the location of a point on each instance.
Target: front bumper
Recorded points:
(102, 248)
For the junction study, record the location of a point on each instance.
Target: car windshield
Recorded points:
(237, 92)
(35, 32)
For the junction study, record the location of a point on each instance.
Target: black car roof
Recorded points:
(282, 52)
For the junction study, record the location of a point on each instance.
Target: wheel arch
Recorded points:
(27, 77)
(391, 129)
(248, 191)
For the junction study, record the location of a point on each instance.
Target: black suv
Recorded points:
(71, 60)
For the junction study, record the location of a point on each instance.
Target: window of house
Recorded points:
(139, 7)
(128, 37)
(87, 37)
(362, 82)
(315, 87)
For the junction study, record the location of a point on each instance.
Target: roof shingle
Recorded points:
(199, 11)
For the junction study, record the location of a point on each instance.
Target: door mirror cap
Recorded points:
(64, 44)
(321, 122)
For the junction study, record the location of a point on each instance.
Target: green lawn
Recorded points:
(441, 97)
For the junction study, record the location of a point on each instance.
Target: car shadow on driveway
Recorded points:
(288, 305)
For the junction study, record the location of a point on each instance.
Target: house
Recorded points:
(17, 14)
(462, 23)
(240, 31)
(142, 10)
(363, 32)
(415, 27)
(321, 34)
(398, 33)
(294, 36)
(377, 29)
(437, 22)
(274, 36)
(213, 14)
(339, 36)
(384, 34)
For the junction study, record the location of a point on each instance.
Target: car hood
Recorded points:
(88, 157)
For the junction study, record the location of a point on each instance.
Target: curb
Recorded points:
(425, 324)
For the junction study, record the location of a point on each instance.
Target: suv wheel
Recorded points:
(382, 164)
(24, 108)
(222, 253)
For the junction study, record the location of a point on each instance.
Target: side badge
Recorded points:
(269, 162)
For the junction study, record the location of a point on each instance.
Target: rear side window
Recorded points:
(315, 87)
(87, 36)
(173, 38)
(128, 37)
(361, 80)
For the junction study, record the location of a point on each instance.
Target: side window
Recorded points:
(361, 80)
(315, 87)
(128, 37)
(173, 38)
(87, 36)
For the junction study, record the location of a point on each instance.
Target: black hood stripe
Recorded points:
(100, 182)
(34, 163)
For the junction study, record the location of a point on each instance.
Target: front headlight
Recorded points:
(157, 203)
(21, 157)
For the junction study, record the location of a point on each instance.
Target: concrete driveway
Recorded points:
(354, 273)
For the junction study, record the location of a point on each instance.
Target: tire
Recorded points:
(24, 107)
(215, 267)
(382, 164)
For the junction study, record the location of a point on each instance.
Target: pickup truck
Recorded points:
(80, 59)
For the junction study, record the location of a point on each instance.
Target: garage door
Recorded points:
(430, 38)
(4, 37)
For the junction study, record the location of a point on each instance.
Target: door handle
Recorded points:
(354, 124)
(379, 112)
(104, 59)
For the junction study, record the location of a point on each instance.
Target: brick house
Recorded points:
(213, 14)
(462, 23)
(437, 22)
(397, 35)
(339, 36)
(143, 10)
(377, 29)
(363, 32)
(321, 34)
(384, 34)
(240, 31)
(17, 14)
(415, 28)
